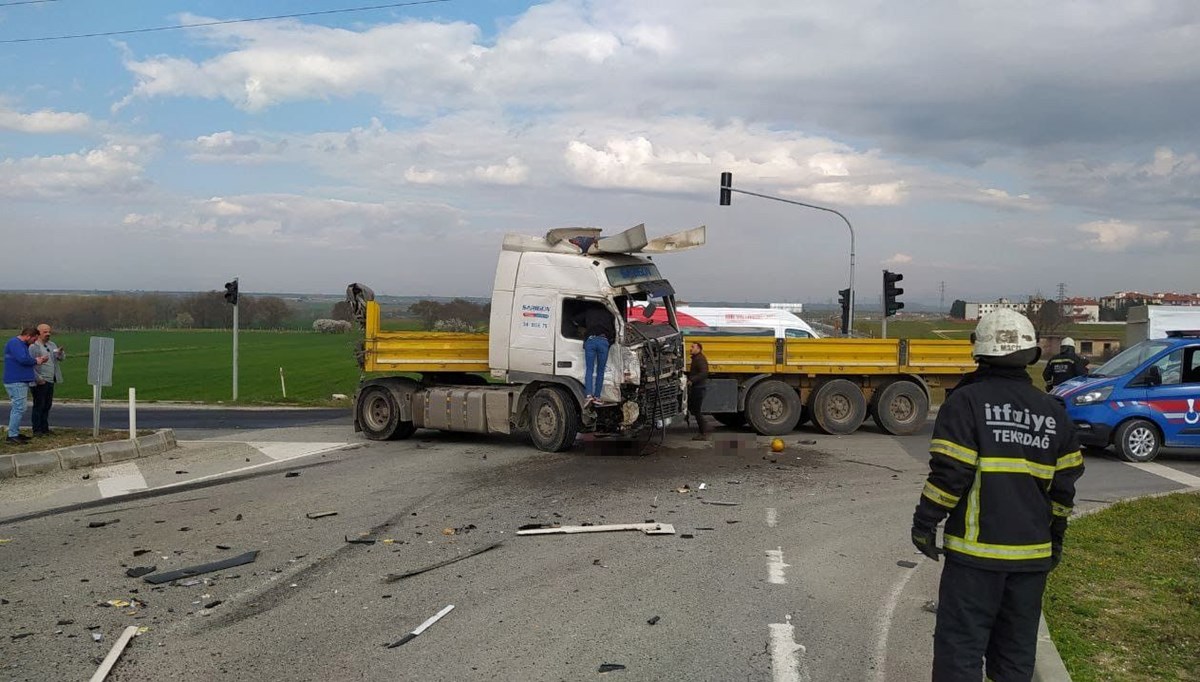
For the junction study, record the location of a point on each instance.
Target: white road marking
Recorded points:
(883, 625)
(775, 566)
(772, 517)
(239, 470)
(119, 479)
(1167, 472)
(281, 452)
(787, 657)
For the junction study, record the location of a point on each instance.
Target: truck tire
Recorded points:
(733, 420)
(838, 407)
(901, 408)
(1137, 440)
(379, 415)
(553, 420)
(773, 408)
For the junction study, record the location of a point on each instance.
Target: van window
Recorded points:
(797, 334)
(1169, 367)
(1129, 359)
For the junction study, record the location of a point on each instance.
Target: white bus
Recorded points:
(743, 321)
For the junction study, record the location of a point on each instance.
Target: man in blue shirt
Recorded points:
(18, 375)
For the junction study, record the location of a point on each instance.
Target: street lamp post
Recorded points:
(727, 187)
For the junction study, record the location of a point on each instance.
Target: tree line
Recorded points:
(204, 310)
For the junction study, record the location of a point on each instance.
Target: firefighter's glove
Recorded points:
(1058, 533)
(925, 540)
(1055, 554)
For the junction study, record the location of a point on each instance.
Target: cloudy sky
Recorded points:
(999, 147)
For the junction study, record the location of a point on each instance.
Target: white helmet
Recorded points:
(1003, 332)
(1068, 341)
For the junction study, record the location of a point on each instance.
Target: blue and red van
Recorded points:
(1144, 399)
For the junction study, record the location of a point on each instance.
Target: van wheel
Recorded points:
(730, 419)
(901, 408)
(773, 408)
(1137, 440)
(379, 415)
(838, 407)
(553, 420)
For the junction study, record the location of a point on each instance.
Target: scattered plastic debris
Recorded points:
(291, 474)
(721, 504)
(687, 536)
(647, 528)
(213, 604)
(239, 560)
(189, 583)
(685, 489)
(360, 540)
(906, 564)
(654, 620)
(5, 541)
(96, 637)
(449, 531)
(703, 486)
(930, 606)
(320, 515)
(223, 547)
(181, 471)
(421, 628)
(705, 528)
(238, 517)
(139, 571)
(65, 621)
(22, 635)
(101, 524)
(117, 603)
(117, 648)
(394, 577)
(139, 552)
(611, 667)
(808, 442)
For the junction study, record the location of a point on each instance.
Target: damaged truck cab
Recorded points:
(527, 373)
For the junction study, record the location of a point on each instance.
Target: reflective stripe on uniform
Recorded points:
(954, 451)
(940, 497)
(986, 551)
(1060, 509)
(1015, 465)
(1071, 459)
(972, 520)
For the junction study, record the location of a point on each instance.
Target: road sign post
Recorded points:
(100, 365)
(231, 297)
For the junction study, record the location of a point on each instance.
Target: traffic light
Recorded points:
(231, 292)
(726, 183)
(844, 301)
(890, 291)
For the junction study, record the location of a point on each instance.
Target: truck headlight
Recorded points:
(1093, 396)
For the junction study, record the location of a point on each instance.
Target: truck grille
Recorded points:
(662, 401)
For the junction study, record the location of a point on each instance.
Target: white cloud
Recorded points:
(1117, 236)
(113, 169)
(44, 121)
(898, 259)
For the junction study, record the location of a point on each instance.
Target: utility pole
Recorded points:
(231, 297)
(1062, 293)
(942, 300)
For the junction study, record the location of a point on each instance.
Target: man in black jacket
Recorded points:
(697, 386)
(1004, 460)
(1065, 366)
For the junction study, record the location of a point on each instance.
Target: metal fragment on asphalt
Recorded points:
(647, 528)
(201, 569)
(139, 571)
(320, 515)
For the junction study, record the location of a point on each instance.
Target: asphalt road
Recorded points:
(797, 580)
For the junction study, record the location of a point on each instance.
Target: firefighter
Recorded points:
(1064, 366)
(1003, 464)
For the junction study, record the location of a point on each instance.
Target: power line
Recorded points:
(346, 10)
(24, 2)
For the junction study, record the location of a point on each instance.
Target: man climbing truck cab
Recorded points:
(533, 352)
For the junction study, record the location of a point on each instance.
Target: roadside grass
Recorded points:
(63, 438)
(196, 365)
(1125, 602)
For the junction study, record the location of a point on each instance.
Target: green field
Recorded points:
(197, 366)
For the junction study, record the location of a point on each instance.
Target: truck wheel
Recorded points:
(731, 419)
(1137, 440)
(838, 407)
(553, 420)
(379, 415)
(901, 408)
(773, 408)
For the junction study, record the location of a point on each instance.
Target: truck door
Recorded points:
(1175, 402)
(568, 349)
(532, 331)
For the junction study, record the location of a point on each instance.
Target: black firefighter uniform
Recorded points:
(1003, 464)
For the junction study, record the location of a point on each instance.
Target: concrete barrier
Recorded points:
(25, 464)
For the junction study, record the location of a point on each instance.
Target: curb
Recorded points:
(26, 464)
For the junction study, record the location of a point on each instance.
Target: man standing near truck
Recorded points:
(1003, 464)
(599, 333)
(697, 386)
(1065, 366)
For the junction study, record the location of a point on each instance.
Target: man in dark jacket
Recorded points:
(1065, 366)
(600, 332)
(18, 375)
(697, 386)
(1004, 460)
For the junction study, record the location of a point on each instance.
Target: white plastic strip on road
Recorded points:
(283, 451)
(119, 479)
(1167, 473)
(252, 467)
(772, 517)
(775, 566)
(883, 625)
(787, 657)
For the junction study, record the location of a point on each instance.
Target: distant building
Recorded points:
(1128, 299)
(1081, 309)
(976, 310)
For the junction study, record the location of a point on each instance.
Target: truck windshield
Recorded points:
(1129, 359)
(625, 275)
(650, 316)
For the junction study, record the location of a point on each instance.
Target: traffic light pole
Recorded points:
(849, 327)
(236, 304)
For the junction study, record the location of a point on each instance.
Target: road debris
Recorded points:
(703, 486)
(531, 526)
(611, 667)
(717, 503)
(320, 515)
(647, 528)
(291, 474)
(117, 648)
(101, 524)
(213, 604)
(395, 577)
(421, 628)
(22, 635)
(449, 531)
(96, 636)
(139, 552)
(238, 517)
(906, 564)
(65, 621)
(930, 606)
(239, 560)
(116, 603)
(684, 489)
(5, 541)
(139, 571)
(181, 471)
(687, 536)
(705, 528)
(360, 540)
(654, 620)
(807, 442)
(223, 547)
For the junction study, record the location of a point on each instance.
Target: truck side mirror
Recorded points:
(648, 311)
